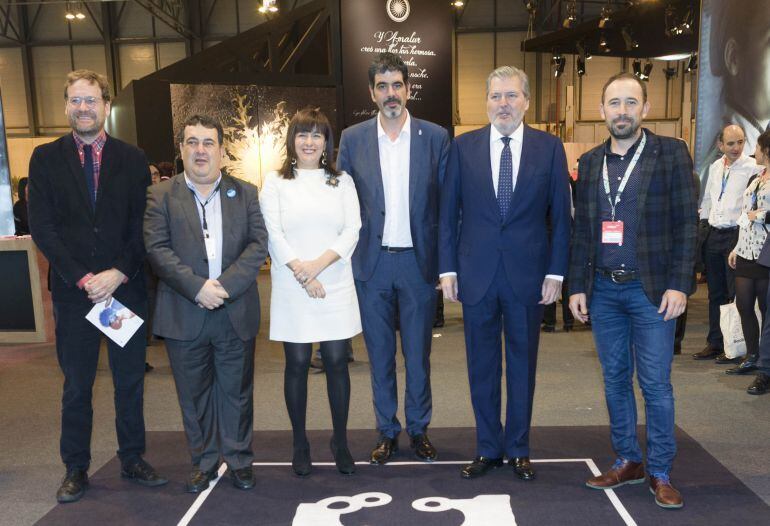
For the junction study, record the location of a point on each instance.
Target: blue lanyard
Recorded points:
(725, 178)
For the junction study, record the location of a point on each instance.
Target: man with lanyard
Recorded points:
(631, 267)
(721, 206)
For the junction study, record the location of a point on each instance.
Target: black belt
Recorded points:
(397, 249)
(618, 276)
(726, 229)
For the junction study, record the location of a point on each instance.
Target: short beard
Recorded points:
(90, 131)
(630, 132)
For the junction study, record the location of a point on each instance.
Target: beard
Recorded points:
(392, 113)
(85, 130)
(627, 133)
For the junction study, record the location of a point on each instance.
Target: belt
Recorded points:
(618, 276)
(726, 229)
(397, 249)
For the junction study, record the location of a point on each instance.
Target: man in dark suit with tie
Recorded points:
(397, 163)
(206, 240)
(86, 202)
(631, 268)
(503, 183)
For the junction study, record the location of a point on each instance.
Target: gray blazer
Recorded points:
(174, 241)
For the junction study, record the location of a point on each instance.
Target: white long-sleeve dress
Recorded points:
(304, 217)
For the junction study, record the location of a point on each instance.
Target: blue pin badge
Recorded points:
(231, 193)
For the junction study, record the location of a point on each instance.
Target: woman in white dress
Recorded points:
(312, 216)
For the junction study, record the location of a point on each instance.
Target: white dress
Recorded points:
(304, 217)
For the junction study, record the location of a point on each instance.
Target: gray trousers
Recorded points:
(214, 376)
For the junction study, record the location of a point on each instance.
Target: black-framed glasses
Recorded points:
(77, 101)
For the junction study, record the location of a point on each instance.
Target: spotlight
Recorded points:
(628, 39)
(581, 66)
(692, 64)
(571, 17)
(604, 46)
(268, 6)
(69, 13)
(79, 15)
(605, 18)
(558, 62)
(458, 3)
(637, 67)
(647, 71)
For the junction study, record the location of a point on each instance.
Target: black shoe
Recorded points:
(423, 449)
(199, 480)
(73, 487)
(480, 466)
(549, 328)
(242, 478)
(708, 353)
(747, 365)
(522, 467)
(343, 458)
(300, 463)
(384, 450)
(722, 359)
(568, 327)
(148, 367)
(141, 472)
(760, 385)
(677, 348)
(438, 322)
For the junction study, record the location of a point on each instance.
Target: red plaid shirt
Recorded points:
(96, 149)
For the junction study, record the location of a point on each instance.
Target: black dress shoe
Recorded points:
(422, 448)
(343, 459)
(708, 353)
(73, 486)
(568, 327)
(747, 365)
(677, 348)
(522, 467)
(384, 450)
(760, 385)
(199, 480)
(549, 328)
(242, 478)
(480, 466)
(141, 472)
(722, 359)
(300, 463)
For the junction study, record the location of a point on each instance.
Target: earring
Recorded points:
(294, 161)
(323, 159)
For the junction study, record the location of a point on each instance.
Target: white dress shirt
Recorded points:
(722, 209)
(213, 221)
(394, 164)
(496, 151)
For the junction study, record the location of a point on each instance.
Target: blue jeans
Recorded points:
(628, 332)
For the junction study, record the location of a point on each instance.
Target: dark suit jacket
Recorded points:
(74, 238)
(359, 156)
(175, 248)
(474, 238)
(667, 219)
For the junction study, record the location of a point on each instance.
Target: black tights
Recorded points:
(747, 291)
(335, 358)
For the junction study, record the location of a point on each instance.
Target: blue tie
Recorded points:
(88, 170)
(505, 179)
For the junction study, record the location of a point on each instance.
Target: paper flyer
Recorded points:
(115, 320)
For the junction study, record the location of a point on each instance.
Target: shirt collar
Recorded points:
(608, 147)
(517, 135)
(743, 159)
(97, 144)
(191, 186)
(406, 129)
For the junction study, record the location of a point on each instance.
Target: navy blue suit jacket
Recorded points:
(473, 237)
(359, 156)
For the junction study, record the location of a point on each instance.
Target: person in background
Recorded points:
(154, 173)
(20, 214)
(166, 170)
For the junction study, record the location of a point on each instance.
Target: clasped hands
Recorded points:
(101, 286)
(212, 295)
(305, 272)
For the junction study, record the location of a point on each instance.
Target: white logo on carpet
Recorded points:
(483, 510)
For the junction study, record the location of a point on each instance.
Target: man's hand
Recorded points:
(578, 307)
(211, 295)
(673, 303)
(448, 285)
(307, 271)
(314, 289)
(551, 291)
(732, 259)
(102, 285)
(754, 214)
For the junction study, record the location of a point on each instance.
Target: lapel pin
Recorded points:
(231, 193)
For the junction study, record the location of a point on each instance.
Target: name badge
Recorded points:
(612, 232)
(211, 250)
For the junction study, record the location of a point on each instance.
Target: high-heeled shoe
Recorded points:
(300, 463)
(342, 458)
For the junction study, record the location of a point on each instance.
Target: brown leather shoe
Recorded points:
(708, 353)
(621, 473)
(666, 496)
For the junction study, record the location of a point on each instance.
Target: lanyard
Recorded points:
(203, 207)
(626, 176)
(725, 178)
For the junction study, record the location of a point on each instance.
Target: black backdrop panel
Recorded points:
(16, 309)
(423, 39)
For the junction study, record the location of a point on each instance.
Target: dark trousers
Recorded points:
(77, 348)
(214, 376)
(681, 327)
(398, 282)
(764, 341)
(719, 277)
(549, 311)
(500, 311)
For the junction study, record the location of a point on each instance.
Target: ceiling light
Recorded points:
(677, 56)
(603, 44)
(558, 62)
(692, 64)
(647, 71)
(581, 66)
(605, 19)
(458, 3)
(571, 17)
(637, 67)
(628, 39)
(268, 6)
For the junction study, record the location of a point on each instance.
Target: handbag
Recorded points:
(732, 332)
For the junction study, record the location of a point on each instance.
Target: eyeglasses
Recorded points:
(77, 101)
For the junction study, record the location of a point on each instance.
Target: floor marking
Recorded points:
(201, 498)
(612, 496)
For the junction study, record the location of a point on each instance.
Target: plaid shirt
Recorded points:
(97, 147)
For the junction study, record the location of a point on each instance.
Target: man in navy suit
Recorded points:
(503, 182)
(397, 163)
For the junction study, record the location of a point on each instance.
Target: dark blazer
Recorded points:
(474, 238)
(359, 156)
(666, 212)
(175, 248)
(75, 238)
